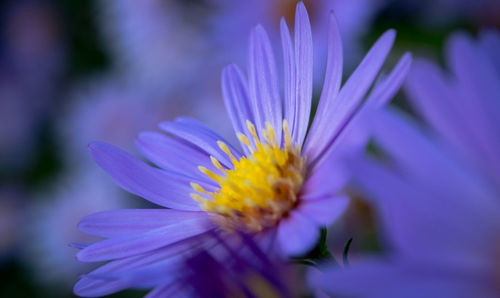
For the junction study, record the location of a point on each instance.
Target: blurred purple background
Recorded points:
(72, 72)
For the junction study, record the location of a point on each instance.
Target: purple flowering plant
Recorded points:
(438, 193)
(280, 187)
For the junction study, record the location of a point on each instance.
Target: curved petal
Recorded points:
(105, 279)
(479, 85)
(356, 133)
(334, 63)
(237, 101)
(173, 154)
(338, 111)
(297, 234)
(263, 83)
(290, 73)
(304, 77)
(130, 245)
(323, 210)
(118, 223)
(167, 189)
(204, 138)
(333, 74)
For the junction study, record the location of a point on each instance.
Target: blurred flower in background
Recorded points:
(111, 109)
(438, 193)
(32, 62)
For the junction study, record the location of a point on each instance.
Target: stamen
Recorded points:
(198, 188)
(261, 188)
(243, 138)
(252, 130)
(209, 173)
(217, 164)
(226, 150)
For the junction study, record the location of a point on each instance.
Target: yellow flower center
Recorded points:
(260, 189)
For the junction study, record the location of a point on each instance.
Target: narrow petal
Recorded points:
(479, 85)
(105, 279)
(201, 136)
(167, 189)
(323, 211)
(263, 83)
(175, 289)
(418, 156)
(130, 245)
(304, 77)
(237, 101)
(333, 74)
(340, 109)
(174, 155)
(118, 223)
(290, 73)
(297, 234)
(356, 133)
(431, 95)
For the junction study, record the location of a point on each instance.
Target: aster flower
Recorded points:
(438, 197)
(280, 190)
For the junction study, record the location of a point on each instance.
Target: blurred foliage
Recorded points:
(85, 47)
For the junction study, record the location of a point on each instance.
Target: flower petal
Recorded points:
(479, 85)
(174, 155)
(167, 189)
(237, 101)
(297, 234)
(290, 73)
(356, 133)
(304, 77)
(130, 245)
(117, 223)
(196, 133)
(341, 109)
(324, 211)
(371, 278)
(106, 279)
(263, 83)
(333, 75)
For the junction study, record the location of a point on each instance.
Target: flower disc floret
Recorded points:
(261, 188)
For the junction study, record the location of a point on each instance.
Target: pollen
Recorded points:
(260, 189)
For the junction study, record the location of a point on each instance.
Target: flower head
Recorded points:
(438, 197)
(280, 188)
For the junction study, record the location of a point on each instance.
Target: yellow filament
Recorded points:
(261, 188)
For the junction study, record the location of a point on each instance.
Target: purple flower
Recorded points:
(281, 189)
(438, 196)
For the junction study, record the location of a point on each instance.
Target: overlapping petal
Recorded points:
(263, 82)
(167, 189)
(337, 112)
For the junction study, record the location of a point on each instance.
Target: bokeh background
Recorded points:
(73, 72)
